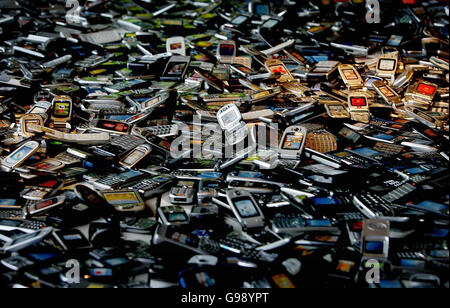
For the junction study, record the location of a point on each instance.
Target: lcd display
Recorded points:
(176, 217)
(239, 20)
(62, 109)
(293, 141)
(229, 117)
(278, 70)
(227, 50)
(374, 247)
(387, 64)
(121, 198)
(358, 101)
(175, 46)
(246, 208)
(426, 89)
(386, 92)
(176, 69)
(350, 74)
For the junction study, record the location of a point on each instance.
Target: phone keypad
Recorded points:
(399, 192)
(126, 142)
(374, 203)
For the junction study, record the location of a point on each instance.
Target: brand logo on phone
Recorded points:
(73, 15)
(373, 12)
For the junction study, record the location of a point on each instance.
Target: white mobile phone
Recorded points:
(135, 156)
(229, 117)
(176, 46)
(292, 142)
(19, 156)
(245, 208)
(376, 238)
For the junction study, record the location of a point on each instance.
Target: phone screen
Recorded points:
(229, 117)
(358, 101)
(386, 92)
(175, 46)
(121, 198)
(62, 109)
(239, 20)
(246, 208)
(387, 64)
(176, 217)
(426, 89)
(113, 126)
(293, 141)
(151, 102)
(350, 74)
(270, 23)
(175, 69)
(374, 247)
(227, 50)
(278, 70)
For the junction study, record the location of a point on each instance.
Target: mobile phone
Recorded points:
(246, 209)
(387, 65)
(176, 46)
(27, 240)
(422, 91)
(230, 120)
(277, 68)
(173, 215)
(44, 205)
(124, 200)
(387, 93)
(183, 192)
(176, 68)
(359, 107)
(62, 108)
(71, 240)
(30, 118)
(375, 244)
(350, 76)
(292, 142)
(19, 156)
(226, 51)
